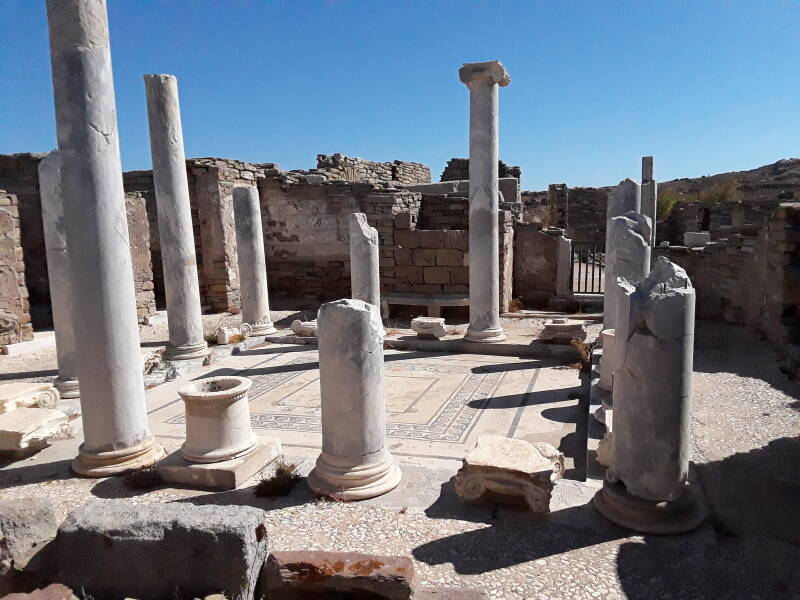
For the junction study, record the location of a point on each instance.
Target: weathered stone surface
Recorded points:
(115, 549)
(29, 429)
(563, 331)
(303, 575)
(429, 327)
(54, 591)
(447, 593)
(227, 335)
(26, 526)
(511, 469)
(304, 328)
(223, 475)
(696, 239)
(27, 395)
(365, 280)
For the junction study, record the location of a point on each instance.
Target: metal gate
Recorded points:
(588, 268)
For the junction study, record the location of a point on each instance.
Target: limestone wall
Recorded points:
(347, 168)
(535, 264)
(458, 169)
(753, 279)
(721, 220)
(15, 318)
(139, 236)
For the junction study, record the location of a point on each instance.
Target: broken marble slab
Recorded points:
(304, 328)
(563, 331)
(429, 328)
(27, 395)
(511, 470)
(26, 430)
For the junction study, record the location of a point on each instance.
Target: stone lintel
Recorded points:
(487, 73)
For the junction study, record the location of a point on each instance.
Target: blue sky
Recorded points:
(703, 86)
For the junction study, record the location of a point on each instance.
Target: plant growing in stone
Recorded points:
(281, 482)
(144, 479)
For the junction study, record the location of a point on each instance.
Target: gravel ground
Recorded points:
(746, 430)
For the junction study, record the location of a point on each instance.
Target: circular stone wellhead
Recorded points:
(217, 419)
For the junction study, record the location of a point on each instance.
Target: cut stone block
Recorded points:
(54, 591)
(513, 470)
(696, 239)
(26, 526)
(301, 575)
(227, 335)
(225, 475)
(562, 331)
(429, 328)
(304, 328)
(115, 549)
(40, 341)
(27, 395)
(27, 430)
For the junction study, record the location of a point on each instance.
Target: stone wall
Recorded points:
(580, 211)
(347, 168)
(751, 280)
(535, 264)
(444, 211)
(139, 236)
(721, 220)
(15, 318)
(458, 169)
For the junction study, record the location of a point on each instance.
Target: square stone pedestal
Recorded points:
(225, 475)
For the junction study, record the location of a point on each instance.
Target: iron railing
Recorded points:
(588, 266)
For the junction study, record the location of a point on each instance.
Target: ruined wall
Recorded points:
(15, 318)
(19, 175)
(347, 168)
(535, 264)
(458, 169)
(444, 211)
(580, 211)
(721, 220)
(751, 280)
(139, 236)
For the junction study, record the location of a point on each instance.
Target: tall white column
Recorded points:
(252, 262)
(649, 195)
(365, 279)
(181, 283)
(55, 244)
(354, 463)
(646, 486)
(483, 80)
(116, 433)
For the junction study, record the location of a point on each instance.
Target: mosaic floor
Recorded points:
(437, 403)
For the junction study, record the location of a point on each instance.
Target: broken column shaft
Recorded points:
(176, 235)
(252, 262)
(354, 463)
(483, 80)
(116, 433)
(365, 279)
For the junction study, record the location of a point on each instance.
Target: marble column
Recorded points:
(646, 487)
(252, 262)
(55, 244)
(354, 463)
(115, 428)
(563, 266)
(181, 284)
(484, 80)
(626, 197)
(365, 279)
(649, 195)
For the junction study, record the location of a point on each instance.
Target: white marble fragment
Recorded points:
(304, 328)
(30, 429)
(27, 395)
(429, 327)
(563, 331)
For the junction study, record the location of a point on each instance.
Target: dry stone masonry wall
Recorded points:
(458, 169)
(346, 168)
(15, 318)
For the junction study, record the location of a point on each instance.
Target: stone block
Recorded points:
(54, 591)
(227, 335)
(27, 430)
(563, 331)
(406, 238)
(304, 575)
(511, 470)
(424, 257)
(448, 257)
(304, 328)
(224, 475)
(410, 274)
(26, 526)
(27, 395)
(428, 327)
(696, 239)
(439, 275)
(115, 549)
(459, 275)
(431, 238)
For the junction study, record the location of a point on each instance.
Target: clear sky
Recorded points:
(703, 86)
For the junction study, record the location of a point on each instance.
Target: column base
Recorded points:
(266, 328)
(485, 336)
(115, 462)
(187, 352)
(345, 478)
(239, 450)
(650, 516)
(67, 388)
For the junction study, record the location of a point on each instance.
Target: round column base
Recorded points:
(67, 388)
(228, 453)
(485, 336)
(345, 478)
(650, 516)
(115, 462)
(187, 352)
(267, 328)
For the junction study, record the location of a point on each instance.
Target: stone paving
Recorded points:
(746, 426)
